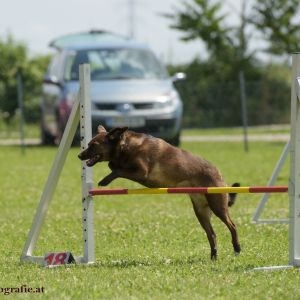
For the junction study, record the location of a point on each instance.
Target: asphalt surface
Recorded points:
(192, 138)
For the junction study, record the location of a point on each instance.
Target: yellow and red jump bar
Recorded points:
(190, 190)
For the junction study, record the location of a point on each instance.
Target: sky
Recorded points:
(37, 22)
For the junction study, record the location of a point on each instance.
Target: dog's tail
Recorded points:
(232, 196)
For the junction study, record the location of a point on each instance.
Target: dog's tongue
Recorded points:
(93, 160)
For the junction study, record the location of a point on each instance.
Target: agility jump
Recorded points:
(81, 112)
(191, 190)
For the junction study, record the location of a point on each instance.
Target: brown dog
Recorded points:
(152, 162)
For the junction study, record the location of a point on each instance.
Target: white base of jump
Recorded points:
(271, 221)
(274, 268)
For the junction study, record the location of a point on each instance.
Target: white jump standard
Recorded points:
(294, 180)
(80, 114)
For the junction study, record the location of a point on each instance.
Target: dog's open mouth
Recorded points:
(92, 161)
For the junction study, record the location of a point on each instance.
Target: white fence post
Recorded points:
(87, 177)
(294, 181)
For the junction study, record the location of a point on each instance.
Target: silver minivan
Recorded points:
(129, 87)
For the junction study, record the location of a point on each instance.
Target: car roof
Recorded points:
(94, 39)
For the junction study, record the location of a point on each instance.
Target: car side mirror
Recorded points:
(52, 80)
(178, 76)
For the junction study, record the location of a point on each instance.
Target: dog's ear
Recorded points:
(101, 129)
(116, 133)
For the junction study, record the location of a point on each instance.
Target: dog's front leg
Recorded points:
(108, 179)
(138, 172)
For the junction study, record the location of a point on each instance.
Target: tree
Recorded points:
(276, 19)
(211, 91)
(204, 20)
(200, 19)
(15, 58)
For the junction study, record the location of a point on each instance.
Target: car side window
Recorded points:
(68, 75)
(72, 65)
(55, 66)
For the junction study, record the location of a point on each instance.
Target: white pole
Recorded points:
(87, 177)
(294, 182)
(244, 109)
(21, 108)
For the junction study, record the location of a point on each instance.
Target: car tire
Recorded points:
(175, 141)
(47, 138)
(61, 128)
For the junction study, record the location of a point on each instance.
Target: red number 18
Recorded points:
(56, 258)
(60, 258)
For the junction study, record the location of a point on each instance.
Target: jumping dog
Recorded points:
(153, 162)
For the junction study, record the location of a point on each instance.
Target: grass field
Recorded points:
(147, 247)
(268, 129)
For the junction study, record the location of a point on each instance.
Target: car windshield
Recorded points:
(110, 64)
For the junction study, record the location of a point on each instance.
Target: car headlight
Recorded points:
(167, 100)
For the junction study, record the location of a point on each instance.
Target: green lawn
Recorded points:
(147, 247)
(269, 129)
(13, 131)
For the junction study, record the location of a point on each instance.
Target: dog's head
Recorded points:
(102, 145)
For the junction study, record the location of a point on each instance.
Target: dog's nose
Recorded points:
(79, 155)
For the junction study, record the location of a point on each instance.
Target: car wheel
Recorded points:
(47, 138)
(175, 141)
(61, 128)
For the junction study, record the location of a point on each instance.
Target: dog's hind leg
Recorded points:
(219, 206)
(203, 213)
